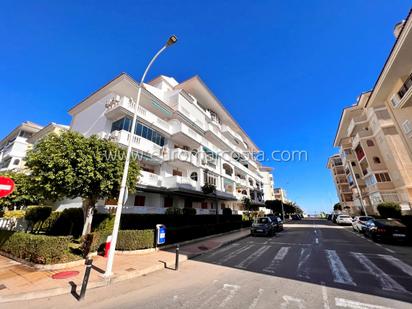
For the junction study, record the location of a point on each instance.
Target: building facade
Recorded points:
(280, 194)
(13, 147)
(184, 138)
(374, 135)
(268, 183)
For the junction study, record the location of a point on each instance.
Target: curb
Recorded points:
(124, 277)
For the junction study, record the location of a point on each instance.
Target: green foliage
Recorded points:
(174, 211)
(227, 212)
(72, 165)
(208, 188)
(24, 193)
(337, 206)
(37, 214)
(38, 249)
(68, 222)
(8, 214)
(389, 210)
(135, 240)
(189, 211)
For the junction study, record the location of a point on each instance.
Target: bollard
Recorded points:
(88, 263)
(177, 257)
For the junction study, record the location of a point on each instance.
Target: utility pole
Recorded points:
(357, 187)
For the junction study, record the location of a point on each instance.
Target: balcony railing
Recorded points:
(180, 182)
(181, 155)
(150, 179)
(138, 142)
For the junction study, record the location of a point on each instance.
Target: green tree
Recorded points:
(71, 165)
(274, 205)
(24, 193)
(389, 210)
(337, 206)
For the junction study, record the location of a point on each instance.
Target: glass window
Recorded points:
(139, 129)
(144, 134)
(149, 134)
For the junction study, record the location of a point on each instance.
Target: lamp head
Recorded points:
(171, 40)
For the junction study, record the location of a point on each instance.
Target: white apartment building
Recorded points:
(184, 138)
(280, 194)
(268, 183)
(14, 146)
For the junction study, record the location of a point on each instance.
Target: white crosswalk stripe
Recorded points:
(407, 269)
(280, 255)
(339, 272)
(233, 254)
(253, 257)
(386, 282)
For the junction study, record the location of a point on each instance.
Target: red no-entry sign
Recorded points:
(6, 186)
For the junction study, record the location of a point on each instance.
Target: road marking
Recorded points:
(325, 296)
(385, 280)
(253, 257)
(346, 303)
(390, 250)
(339, 272)
(232, 288)
(221, 250)
(304, 257)
(406, 268)
(233, 254)
(280, 255)
(256, 299)
(289, 300)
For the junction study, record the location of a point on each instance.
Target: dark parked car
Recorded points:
(277, 222)
(386, 230)
(262, 226)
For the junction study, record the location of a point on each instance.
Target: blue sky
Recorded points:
(284, 69)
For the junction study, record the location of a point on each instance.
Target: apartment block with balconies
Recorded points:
(184, 138)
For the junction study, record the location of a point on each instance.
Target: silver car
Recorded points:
(359, 223)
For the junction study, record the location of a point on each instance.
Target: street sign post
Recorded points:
(6, 186)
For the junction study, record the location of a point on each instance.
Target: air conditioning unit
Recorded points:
(395, 100)
(102, 134)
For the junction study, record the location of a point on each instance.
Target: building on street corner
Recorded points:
(184, 139)
(280, 194)
(374, 136)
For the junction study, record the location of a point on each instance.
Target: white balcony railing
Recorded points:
(117, 102)
(138, 142)
(181, 155)
(150, 179)
(180, 182)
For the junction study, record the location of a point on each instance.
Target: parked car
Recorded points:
(359, 223)
(386, 230)
(334, 217)
(263, 226)
(344, 220)
(330, 217)
(277, 222)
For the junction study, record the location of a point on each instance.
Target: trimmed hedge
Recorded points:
(69, 222)
(37, 249)
(135, 239)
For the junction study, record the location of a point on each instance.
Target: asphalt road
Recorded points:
(312, 264)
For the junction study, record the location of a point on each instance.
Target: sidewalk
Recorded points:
(20, 282)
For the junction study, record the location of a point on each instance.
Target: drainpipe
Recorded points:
(357, 186)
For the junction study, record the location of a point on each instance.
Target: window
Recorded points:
(168, 202)
(353, 163)
(370, 180)
(141, 130)
(210, 179)
(139, 200)
(16, 162)
(382, 177)
(177, 173)
(193, 176)
(204, 205)
(370, 143)
(222, 206)
(407, 127)
(376, 160)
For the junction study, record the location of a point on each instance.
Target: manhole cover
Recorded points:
(203, 248)
(65, 274)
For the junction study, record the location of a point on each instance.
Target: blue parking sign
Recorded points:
(161, 234)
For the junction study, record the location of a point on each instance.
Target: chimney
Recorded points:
(398, 28)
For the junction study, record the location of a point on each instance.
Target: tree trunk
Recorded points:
(88, 210)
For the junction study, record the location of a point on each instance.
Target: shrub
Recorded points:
(37, 214)
(69, 222)
(389, 210)
(135, 239)
(174, 211)
(227, 211)
(39, 249)
(189, 211)
(208, 188)
(8, 214)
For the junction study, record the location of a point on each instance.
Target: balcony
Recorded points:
(361, 135)
(182, 156)
(229, 132)
(181, 182)
(403, 98)
(139, 143)
(241, 181)
(119, 106)
(180, 128)
(150, 179)
(354, 122)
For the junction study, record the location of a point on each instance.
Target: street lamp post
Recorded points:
(109, 266)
